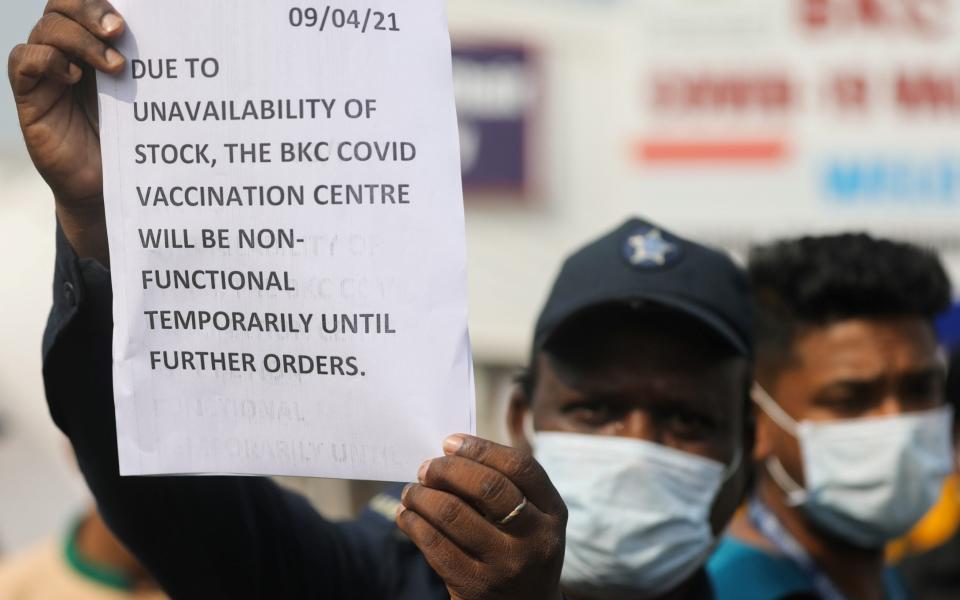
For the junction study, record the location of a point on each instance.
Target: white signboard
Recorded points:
(798, 115)
(287, 240)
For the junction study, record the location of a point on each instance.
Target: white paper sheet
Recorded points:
(286, 238)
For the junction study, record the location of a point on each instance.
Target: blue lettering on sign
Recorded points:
(896, 181)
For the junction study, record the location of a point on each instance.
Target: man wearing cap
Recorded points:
(635, 402)
(853, 437)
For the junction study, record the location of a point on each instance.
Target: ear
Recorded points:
(517, 412)
(764, 443)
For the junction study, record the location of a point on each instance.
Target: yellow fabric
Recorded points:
(940, 524)
(44, 574)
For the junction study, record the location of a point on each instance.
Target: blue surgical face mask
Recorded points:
(639, 512)
(867, 480)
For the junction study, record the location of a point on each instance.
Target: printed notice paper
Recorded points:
(285, 215)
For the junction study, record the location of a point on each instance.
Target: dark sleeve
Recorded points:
(934, 574)
(201, 537)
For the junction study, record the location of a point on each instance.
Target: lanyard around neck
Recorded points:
(771, 528)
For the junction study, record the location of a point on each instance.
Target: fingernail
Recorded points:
(400, 509)
(403, 494)
(452, 444)
(111, 22)
(114, 58)
(74, 72)
(422, 472)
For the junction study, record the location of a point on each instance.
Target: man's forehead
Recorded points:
(867, 347)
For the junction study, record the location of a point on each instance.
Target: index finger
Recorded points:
(518, 466)
(98, 17)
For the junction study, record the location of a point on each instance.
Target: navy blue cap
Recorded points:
(642, 262)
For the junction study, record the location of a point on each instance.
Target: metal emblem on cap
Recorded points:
(647, 248)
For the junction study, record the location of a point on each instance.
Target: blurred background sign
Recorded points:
(732, 121)
(828, 113)
(496, 105)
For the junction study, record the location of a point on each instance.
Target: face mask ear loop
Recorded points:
(773, 410)
(796, 495)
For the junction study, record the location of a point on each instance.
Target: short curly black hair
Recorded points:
(814, 281)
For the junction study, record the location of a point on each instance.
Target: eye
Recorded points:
(921, 391)
(851, 400)
(593, 413)
(687, 425)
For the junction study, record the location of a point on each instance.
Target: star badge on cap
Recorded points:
(647, 248)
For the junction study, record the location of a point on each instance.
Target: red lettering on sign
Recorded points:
(922, 17)
(722, 92)
(928, 92)
(850, 92)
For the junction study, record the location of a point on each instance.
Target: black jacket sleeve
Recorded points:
(202, 537)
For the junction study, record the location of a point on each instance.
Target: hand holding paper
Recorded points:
(488, 520)
(53, 82)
